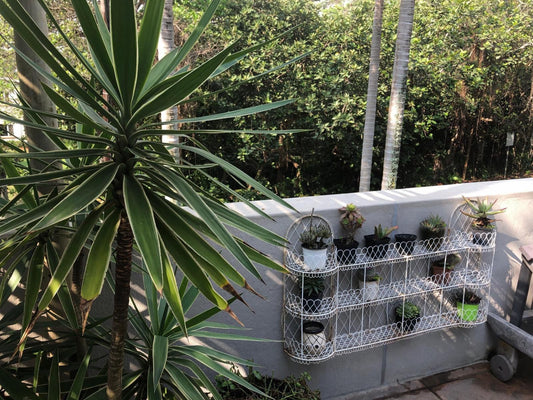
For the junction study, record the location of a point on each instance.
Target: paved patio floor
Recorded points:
(475, 382)
(471, 383)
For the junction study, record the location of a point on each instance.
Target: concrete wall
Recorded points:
(415, 357)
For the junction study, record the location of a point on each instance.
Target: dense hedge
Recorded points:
(469, 85)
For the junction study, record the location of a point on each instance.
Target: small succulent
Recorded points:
(408, 310)
(380, 232)
(433, 223)
(480, 212)
(369, 276)
(351, 220)
(316, 236)
(449, 262)
(313, 286)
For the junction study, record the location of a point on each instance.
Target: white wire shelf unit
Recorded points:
(355, 313)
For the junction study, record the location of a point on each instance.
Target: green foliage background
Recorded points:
(470, 83)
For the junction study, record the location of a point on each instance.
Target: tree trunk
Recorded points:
(31, 89)
(165, 46)
(371, 99)
(397, 98)
(119, 328)
(104, 10)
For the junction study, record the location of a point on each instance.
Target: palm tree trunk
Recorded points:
(119, 328)
(166, 45)
(397, 98)
(371, 99)
(30, 86)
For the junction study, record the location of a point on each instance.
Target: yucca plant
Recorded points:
(117, 185)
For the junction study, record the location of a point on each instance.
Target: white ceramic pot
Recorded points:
(315, 259)
(314, 338)
(370, 290)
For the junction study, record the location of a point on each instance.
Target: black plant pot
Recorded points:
(437, 236)
(312, 303)
(482, 237)
(346, 252)
(377, 247)
(406, 242)
(408, 324)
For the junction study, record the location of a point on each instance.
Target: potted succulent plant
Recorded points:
(377, 242)
(467, 305)
(313, 337)
(351, 220)
(407, 315)
(369, 283)
(441, 268)
(313, 291)
(406, 242)
(432, 231)
(483, 225)
(315, 240)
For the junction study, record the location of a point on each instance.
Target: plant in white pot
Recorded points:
(483, 225)
(369, 283)
(313, 337)
(315, 241)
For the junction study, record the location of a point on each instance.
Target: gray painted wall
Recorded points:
(416, 357)
(410, 358)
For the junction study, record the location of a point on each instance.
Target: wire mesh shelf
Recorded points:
(348, 303)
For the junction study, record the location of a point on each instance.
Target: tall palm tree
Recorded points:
(371, 99)
(165, 46)
(29, 78)
(397, 96)
(119, 186)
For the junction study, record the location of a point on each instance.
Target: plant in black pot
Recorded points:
(313, 291)
(377, 243)
(407, 316)
(442, 268)
(467, 305)
(315, 240)
(405, 242)
(369, 283)
(483, 225)
(432, 231)
(351, 220)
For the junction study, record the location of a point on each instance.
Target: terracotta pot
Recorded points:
(440, 276)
